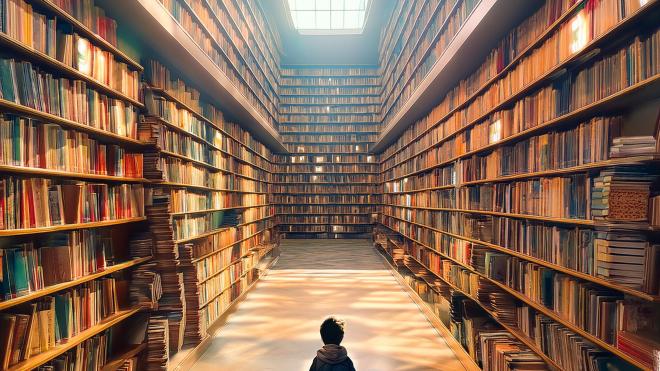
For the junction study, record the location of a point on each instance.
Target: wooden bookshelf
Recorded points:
(81, 28)
(44, 357)
(62, 286)
(68, 227)
(11, 107)
(444, 161)
(201, 158)
(152, 21)
(458, 348)
(67, 174)
(487, 22)
(38, 57)
(304, 126)
(581, 56)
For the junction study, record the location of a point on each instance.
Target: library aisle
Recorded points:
(277, 326)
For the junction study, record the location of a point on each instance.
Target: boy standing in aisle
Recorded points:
(332, 356)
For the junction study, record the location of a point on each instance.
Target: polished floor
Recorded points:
(276, 326)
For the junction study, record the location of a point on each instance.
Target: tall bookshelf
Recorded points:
(233, 35)
(326, 186)
(208, 208)
(523, 207)
(72, 190)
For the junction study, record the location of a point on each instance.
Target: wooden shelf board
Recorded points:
(67, 174)
(68, 227)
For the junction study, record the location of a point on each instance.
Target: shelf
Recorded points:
(183, 105)
(271, 93)
(68, 227)
(200, 187)
(438, 188)
(549, 75)
(21, 110)
(41, 358)
(323, 193)
(235, 65)
(586, 222)
(153, 22)
(81, 28)
(619, 100)
(540, 308)
(212, 167)
(67, 174)
(512, 330)
(199, 139)
(201, 257)
(489, 20)
(8, 42)
(632, 160)
(130, 352)
(374, 212)
(65, 285)
(583, 276)
(425, 28)
(182, 213)
(216, 231)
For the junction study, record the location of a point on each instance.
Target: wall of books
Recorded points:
(326, 186)
(207, 205)
(132, 214)
(414, 38)
(524, 207)
(239, 40)
(71, 191)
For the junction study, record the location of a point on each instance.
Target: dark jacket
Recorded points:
(332, 358)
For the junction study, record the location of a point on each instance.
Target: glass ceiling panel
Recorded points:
(328, 17)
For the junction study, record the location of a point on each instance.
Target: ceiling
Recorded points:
(359, 49)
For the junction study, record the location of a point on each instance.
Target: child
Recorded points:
(332, 357)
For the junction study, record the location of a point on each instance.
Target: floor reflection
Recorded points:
(276, 326)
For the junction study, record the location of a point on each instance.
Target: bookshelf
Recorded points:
(466, 191)
(326, 187)
(448, 40)
(209, 209)
(71, 248)
(223, 67)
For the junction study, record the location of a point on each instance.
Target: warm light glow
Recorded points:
(495, 131)
(370, 158)
(315, 177)
(300, 149)
(318, 169)
(579, 32)
(320, 159)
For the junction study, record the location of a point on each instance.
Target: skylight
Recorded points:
(328, 17)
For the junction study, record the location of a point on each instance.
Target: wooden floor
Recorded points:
(276, 326)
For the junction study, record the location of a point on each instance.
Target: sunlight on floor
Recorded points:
(276, 327)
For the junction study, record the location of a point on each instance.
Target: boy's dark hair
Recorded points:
(332, 330)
